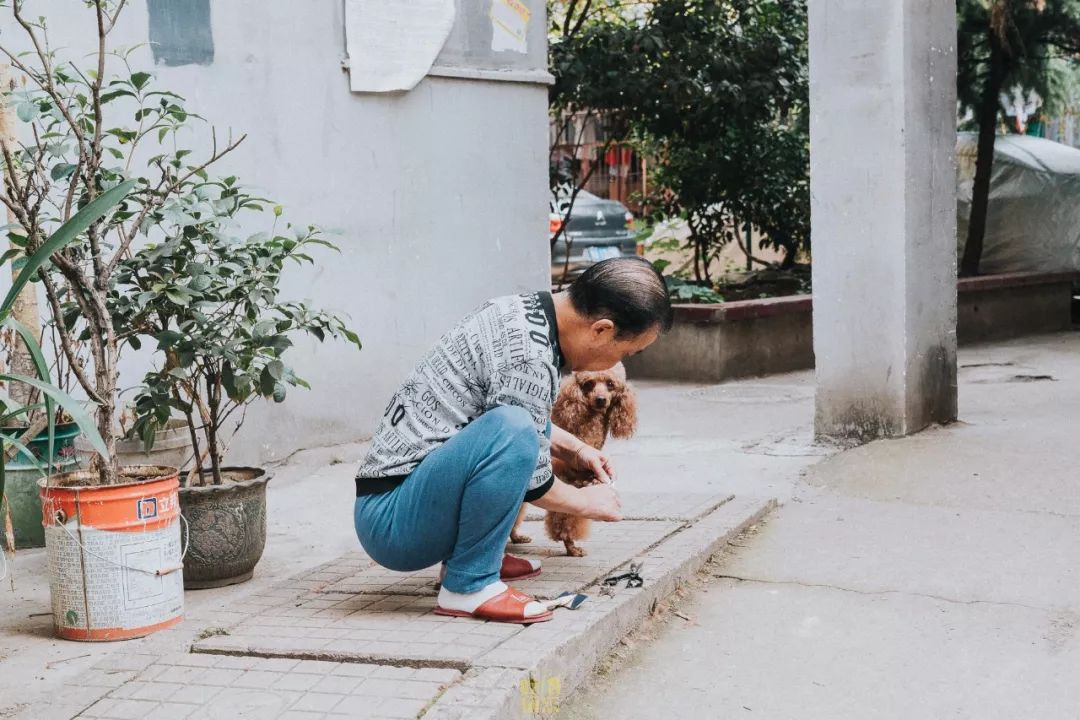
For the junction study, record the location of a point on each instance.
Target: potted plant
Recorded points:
(38, 442)
(211, 301)
(52, 450)
(83, 130)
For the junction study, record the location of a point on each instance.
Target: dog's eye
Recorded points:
(610, 385)
(587, 387)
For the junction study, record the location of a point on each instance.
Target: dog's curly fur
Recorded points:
(590, 405)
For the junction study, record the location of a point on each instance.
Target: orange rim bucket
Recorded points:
(114, 553)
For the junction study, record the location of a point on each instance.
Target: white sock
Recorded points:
(534, 564)
(468, 602)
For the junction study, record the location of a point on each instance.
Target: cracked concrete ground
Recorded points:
(929, 577)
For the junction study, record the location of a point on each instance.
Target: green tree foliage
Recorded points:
(1034, 44)
(716, 91)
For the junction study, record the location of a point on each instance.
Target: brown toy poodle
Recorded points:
(590, 405)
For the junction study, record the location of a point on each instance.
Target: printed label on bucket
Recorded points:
(123, 591)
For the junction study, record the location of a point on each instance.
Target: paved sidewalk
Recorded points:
(707, 462)
(351, 640)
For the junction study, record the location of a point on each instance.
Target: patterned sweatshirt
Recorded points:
(506, 352)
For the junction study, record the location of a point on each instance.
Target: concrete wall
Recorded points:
(439, 194)
(712, 343)
(999, 307)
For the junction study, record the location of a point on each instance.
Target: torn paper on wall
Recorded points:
(509, 25)
(392, 44)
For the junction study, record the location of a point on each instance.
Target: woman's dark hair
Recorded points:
(628, 291)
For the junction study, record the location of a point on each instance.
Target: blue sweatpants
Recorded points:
(458, 506)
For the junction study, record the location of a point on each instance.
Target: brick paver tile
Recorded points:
(191, 660)
(139, 690)
(317, 702)
(297, 681)
(170, 673)
(100, 709)
(275, 664)
(82, 696)
(392, 672)
(218, 676)
(257, 679)
(237, 662)
(340, 684)
(251, 703)
(357, 708)
(132, 710)
(413, 690)
(318, 667)
(103, 678)
(438, 675)
(55, 711)
(174, 711)
(195, 694)
(354, 670)
(399, 708)
(125, 661)
(377, 687)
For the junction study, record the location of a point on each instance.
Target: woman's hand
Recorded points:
(588, 459)
(579, 456)
(596, 502)
(601, 503)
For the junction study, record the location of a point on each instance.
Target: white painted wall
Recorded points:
(439, 194)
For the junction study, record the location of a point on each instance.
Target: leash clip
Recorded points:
(633, 578)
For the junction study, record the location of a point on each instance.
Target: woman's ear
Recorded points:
(624, 414)
(603, 327)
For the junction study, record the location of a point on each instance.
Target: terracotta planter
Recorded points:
(226, 526)
(114, 553)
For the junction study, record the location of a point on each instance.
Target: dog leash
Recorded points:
(633, 578)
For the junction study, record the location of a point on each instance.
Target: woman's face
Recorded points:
(600, 349)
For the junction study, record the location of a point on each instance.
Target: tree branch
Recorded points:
(115, 15)
(569, 16)
(154, 203)
(581, 18)
(46, 66)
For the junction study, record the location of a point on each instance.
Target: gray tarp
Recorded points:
(1034, 215)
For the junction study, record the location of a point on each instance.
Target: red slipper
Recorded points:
(515, 568)
(506, 607)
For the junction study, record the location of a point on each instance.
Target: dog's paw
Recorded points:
(519, 539)
(575, 551)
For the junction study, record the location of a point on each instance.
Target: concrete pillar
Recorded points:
(883, 187)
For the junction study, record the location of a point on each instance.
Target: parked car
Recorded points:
(597, 229)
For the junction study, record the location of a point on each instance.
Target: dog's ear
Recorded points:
(571, 408)
(624, 413)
